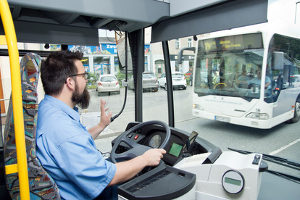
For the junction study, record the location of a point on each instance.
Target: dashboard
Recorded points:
(152, 183)
(181, 144)
(153, 136)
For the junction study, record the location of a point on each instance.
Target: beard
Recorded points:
(82, 100)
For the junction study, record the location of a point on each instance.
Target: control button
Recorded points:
(136, 137)
(130, 135)
(256, 159)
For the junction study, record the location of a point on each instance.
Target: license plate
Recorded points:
(222, 119)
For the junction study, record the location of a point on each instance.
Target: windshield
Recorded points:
(212, 68)
(229, 66)
(216, 92)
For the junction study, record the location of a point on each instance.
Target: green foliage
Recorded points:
(91, 86)
(92, 80)
(121, 76)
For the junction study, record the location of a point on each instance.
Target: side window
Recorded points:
(285, 55)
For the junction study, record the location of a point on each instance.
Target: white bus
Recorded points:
(249, 76)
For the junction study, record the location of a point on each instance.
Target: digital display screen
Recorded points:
(229, 43)
(175, 149)
(232, 181)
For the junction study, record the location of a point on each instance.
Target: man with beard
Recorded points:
(65, 148)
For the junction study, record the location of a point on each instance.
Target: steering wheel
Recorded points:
(135, 148)
(254, 87)
(220, 85)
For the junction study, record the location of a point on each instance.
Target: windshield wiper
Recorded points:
(286, 176)
(219, 92)
(274, 159)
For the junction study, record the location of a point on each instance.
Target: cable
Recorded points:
(126, 79)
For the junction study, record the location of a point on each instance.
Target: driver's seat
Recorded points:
(41, 184)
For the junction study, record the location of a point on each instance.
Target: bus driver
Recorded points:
(65, 148)
(257, 81)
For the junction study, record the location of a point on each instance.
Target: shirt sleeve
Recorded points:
(84, 165)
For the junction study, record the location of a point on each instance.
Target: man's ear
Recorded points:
(70, 83)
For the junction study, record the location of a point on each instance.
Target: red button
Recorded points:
(136, 137)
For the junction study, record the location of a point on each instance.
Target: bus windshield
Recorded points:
(230, 66)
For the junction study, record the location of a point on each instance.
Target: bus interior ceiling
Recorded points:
(78, 23)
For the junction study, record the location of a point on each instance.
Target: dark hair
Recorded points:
(56, 69)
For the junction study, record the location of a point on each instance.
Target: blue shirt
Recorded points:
(257, 81)
(68, 153)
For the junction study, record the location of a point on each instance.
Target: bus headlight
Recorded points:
(255, 115)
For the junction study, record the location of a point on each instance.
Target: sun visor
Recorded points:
(33, 32)
(226, 15)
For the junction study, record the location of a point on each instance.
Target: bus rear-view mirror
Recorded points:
(122, 54)
(278, 60)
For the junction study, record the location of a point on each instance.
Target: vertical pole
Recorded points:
(16, 98)
(137, 42)
(169, 83)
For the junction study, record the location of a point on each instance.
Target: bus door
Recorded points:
(285, 91)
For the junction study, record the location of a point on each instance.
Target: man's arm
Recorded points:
(268, 82)
(104, 121)
(128, 169)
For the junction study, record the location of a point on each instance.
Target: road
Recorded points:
(282, 140)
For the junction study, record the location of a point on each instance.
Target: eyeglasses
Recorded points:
(83, 75)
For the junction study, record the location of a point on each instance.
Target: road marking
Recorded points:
(284, 147)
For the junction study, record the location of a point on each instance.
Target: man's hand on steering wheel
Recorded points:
(137, 149)
(153, 156)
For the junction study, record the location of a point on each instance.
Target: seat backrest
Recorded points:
(41, 184)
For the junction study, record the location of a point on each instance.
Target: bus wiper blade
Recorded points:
(220, 93)
(274, 159)
(240, 151)
(283, 160)
(286, 176)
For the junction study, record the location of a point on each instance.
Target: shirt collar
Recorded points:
(73, 113)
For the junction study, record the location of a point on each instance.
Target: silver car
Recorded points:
(108, 83)
(149, 82)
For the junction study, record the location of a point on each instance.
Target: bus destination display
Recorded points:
(229, 43)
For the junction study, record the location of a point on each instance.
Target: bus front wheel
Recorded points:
(296, 112)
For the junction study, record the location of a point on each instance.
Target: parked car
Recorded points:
(178, 80)
(149, 82)
(296, 79)
(108, 83)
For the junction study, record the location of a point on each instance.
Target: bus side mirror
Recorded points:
(122, 54)
(278, 60)
(180, 54)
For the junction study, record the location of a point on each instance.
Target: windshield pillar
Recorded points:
(266, 85)
(169, 83)
(137, 42)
